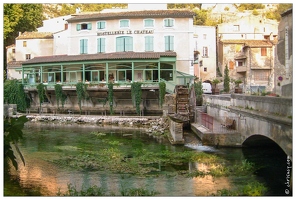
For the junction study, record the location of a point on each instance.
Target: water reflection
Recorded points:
(39, 147)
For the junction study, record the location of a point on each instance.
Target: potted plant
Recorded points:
(215, 89)
(237, 88)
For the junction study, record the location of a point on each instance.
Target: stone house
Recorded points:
(246, 46)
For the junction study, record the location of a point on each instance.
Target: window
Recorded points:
(235, 27)
(263, 51)
(261, 75)
(239, 63)
(148, 23)
(124, 43)
(205, 52)
(84, 26)
(28, 56)
(124, 23)
(83, 46)
(13, 50)
(169, 43)
(101, 45)
(24, 43)
(169, 22)
(149, 43)
(205, 69)
(200, 63)
(101, 25)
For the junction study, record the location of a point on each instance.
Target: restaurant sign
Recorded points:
(125, 32)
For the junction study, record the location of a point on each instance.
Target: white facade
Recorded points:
(205, 44)
(249, 28)
(182, 33)
(54, 25)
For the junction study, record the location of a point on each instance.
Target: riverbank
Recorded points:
(154, 124)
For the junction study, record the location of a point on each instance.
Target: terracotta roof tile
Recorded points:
(35, 35)
(250, 43)
(133, 14)
(15, 64)
(103, 56)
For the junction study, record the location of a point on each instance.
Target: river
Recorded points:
(47, 147)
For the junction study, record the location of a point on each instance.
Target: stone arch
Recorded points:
(262, 140)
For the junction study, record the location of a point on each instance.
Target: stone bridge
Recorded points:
(260, 120)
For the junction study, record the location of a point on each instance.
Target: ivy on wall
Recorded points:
(81, 93)
(162, 89)
(60, 96)
(41, 93)
(110, 97)
(136, 92)
(198, 92)
(14, 94)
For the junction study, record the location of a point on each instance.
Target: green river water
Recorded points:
(117, 159)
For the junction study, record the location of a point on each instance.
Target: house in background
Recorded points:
(246, 46)
(205, 52)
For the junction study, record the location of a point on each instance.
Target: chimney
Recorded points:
(20, 33)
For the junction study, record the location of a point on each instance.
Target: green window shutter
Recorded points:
(81, 47)
(166, 22)
(101, 45)
(99, 25)
(171, 43)
(103, 25)
(123, 23)
(167, 44)
(119, 44)
(128, 44)
(149, 43)
(85, 45)
(78, 27)
(148, 23)
(89, 26)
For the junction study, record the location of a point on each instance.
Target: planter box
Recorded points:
(215, 91)
(238, 90)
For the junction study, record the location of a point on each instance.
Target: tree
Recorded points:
(14, 94)
(226, 79)
(12, 133)
(198, 92)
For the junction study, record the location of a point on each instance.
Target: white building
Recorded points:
(205, 52)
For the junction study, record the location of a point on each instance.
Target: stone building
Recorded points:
(283, 75)
(246, 46)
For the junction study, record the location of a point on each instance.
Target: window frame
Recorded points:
(99, 24)
(25, 43)
(149, 43)
(123, 20)
(148, 26)
(205, 51)
(88, 26)
(166, 22)
(83, 50)
(102, 47)
(28, 56)
(170, 43)
(128, 43)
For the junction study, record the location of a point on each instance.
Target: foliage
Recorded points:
(250, 6)
(162, 91)
(200, 17)
(60, 96)
(81, 93)
(14, 94)
(136, 92)
(237, 82)
(255, 12)
(41, 93)
(100, 191)
(276, 15)
(21, 18)
(12, 133)
(226, 79)
(198, 91)
(183, 5)
(215, 82)
(253, 188)
(110, 97)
